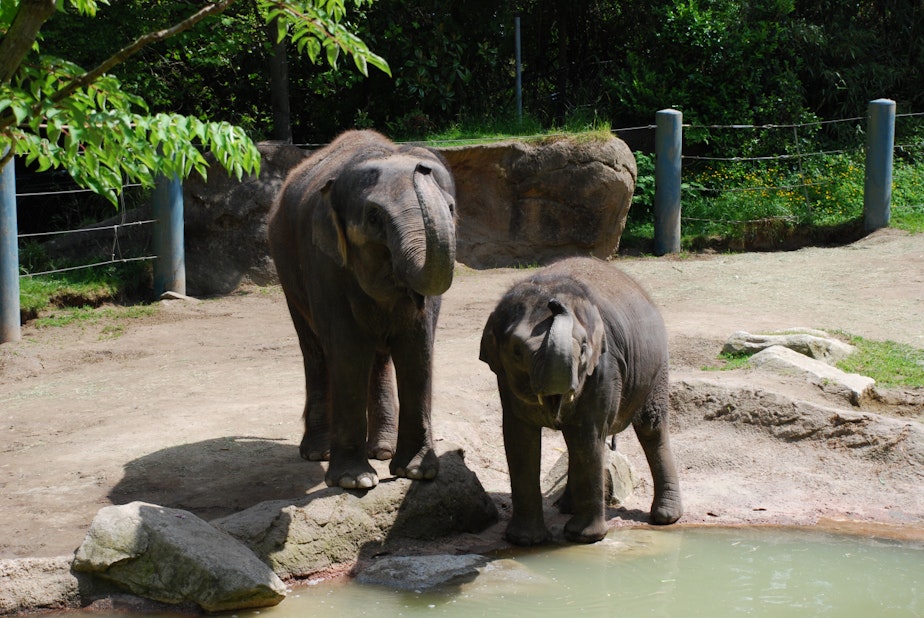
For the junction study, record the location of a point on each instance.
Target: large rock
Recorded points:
(532, 202)
(335, 526)
(809, 342)
(172, 556)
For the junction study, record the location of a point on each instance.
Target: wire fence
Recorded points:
(116, 254)
(804, 183)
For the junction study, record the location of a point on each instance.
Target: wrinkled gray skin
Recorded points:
(363, 237)
(580, 347)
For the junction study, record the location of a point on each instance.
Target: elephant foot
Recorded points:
(526, 535)
(666, 510)
(380, 450)
(421, 466)
(585, 530)
(365, 478)
(315, 447)
(564, 504)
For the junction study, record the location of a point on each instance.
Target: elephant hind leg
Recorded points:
(383, 409)
(315, 444)
(651, 427)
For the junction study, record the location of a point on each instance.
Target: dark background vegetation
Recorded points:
(717, 61)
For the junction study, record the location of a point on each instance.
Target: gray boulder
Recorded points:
(335, 526)
(533, 202)
(172, 556)
(619, 477)
(808, 342)
(422, 572)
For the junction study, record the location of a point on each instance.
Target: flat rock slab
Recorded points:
(853, 387)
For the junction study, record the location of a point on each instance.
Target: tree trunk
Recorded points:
(22, 34)
(279, 86)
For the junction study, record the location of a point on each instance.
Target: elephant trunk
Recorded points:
(426, 257)
(552, 375)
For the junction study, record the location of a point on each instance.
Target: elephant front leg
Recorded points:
(383, 409)
(523, 446)
(349, 466)
(585, 489)
(413, 361)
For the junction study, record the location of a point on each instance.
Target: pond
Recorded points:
(659, 572)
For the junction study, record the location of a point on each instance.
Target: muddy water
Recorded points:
(672, 572)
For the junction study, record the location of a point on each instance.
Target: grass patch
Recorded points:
(94, 315)
(887, 362)
(114, 283)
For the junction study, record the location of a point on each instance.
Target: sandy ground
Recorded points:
(198, 406)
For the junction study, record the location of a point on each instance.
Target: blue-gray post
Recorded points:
(668, 140)
(880, 142)
(167, 209)
(9, 257)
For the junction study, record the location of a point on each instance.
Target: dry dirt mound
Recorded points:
(197, 407)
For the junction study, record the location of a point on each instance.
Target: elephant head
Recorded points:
(390, 219)
(546, 346)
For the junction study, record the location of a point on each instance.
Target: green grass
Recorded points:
(113, 283)
(504, 127)
(887, 362)
(94, 315)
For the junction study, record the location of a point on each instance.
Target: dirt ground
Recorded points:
(198, 406)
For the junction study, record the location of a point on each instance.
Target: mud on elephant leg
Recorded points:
(383, 410)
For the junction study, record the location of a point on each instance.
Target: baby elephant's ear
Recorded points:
(489, 352)
(327, 229)
(596, 334)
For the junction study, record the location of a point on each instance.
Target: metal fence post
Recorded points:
(167, 209)
(880, 142)
(668, 140)
(10, 328)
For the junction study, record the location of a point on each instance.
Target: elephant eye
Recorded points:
(584, 349)
(374, 218)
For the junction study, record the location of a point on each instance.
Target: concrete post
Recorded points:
(880, 142)
(167, 209)
(668, 145)
(10, 329)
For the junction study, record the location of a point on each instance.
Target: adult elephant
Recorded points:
(363, 237)
(581, 348)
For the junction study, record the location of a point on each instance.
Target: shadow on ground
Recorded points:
(214, 478)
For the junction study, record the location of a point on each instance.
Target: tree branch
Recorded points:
(140, 43)
(20, 37)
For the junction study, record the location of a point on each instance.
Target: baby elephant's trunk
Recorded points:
(553, 375)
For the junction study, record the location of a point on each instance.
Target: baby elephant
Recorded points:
(579, 347)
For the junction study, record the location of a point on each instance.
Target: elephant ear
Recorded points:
(327, 229)
(489, 348)
(596, 335)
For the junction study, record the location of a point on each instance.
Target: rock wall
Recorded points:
(518, 203)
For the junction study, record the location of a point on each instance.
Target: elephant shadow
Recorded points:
(218, 477)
